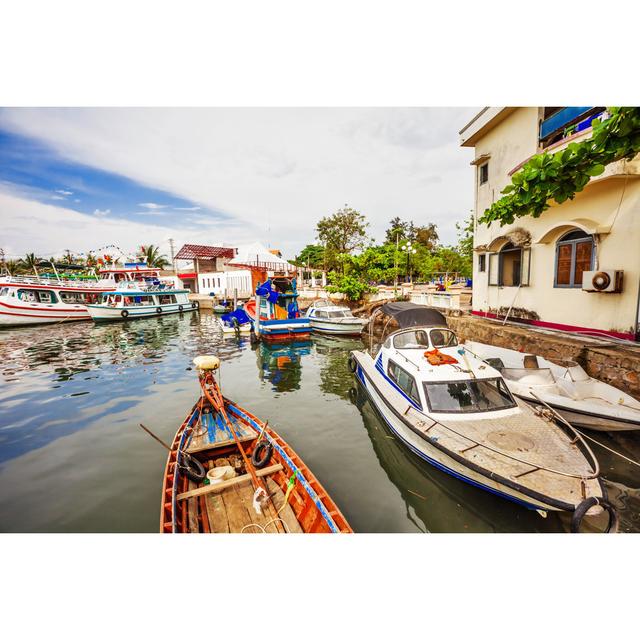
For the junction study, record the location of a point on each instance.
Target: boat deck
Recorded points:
(231, 510)
(212, 432)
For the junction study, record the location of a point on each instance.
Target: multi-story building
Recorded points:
(576, 267)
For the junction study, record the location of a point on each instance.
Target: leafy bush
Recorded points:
(352, 287)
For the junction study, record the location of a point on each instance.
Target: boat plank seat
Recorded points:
(212, 433)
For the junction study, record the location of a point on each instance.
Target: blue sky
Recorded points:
(79, 178)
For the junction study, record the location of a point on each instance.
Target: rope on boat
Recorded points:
(263, 528)
(604, 446)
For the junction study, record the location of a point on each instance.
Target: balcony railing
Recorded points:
(565, 122)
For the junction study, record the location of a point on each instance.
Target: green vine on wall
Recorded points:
(559, 176)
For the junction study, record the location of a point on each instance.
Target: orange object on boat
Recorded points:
(436, 357)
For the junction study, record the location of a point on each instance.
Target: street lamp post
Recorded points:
(410, 250)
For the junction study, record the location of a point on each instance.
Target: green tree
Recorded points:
(313, 255)
(30, 262)
(343, 232)
(12, 267)
(427, 236)
(151, 255)
(397, 231)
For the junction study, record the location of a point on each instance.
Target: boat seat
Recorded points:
(531, 362)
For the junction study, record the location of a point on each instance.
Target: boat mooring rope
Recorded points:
(604, 446)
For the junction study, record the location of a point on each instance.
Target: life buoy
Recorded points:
(180, 307)
(585, 505)
(262, 454)
(192, 467)
(194, 305)
(159, 310)
(352, 364)
(124, 313)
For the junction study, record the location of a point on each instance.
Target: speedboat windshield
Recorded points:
(468, 396)
(419, 339)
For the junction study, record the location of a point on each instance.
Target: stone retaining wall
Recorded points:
(617, 365)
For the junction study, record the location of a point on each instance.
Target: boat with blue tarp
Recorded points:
(275, 310)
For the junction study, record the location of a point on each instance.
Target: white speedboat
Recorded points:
(124, 304)
(455, 412)
(566, 387)
(326, 317)
(235, 322)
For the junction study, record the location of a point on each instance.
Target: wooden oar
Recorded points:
(155, 437)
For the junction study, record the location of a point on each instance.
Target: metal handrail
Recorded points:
(51, 282)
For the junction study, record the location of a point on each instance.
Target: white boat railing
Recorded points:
(54, 282)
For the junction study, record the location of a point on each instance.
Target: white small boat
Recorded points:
(124, 304)
(326, 317)
(235, 322)
(455, 411)
(566, 387)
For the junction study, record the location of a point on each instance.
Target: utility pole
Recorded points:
(173, 254)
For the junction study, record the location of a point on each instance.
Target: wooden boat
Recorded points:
(566, 387)
(455, 412)
(220, 438)
(326, 317)
(124, 304)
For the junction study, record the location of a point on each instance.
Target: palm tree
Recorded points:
(12, 267)
(30, 261)
(151, 255)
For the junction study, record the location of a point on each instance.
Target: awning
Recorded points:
(187, 276)
(408, 314)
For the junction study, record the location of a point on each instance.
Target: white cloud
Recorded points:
(101, 212)
(277, 171)
(48, 229)
(187, 208)
(64, 193)
(152, 205)
(58, 198)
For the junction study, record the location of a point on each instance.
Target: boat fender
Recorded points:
(192, 467)
(180, 308)
(159, 310)
(352, 364)
(124, 313)
(585, 505)
(262, 454)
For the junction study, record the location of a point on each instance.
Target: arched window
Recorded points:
(510, 266)
(574, 256)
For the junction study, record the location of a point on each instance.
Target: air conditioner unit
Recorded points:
(602, 281)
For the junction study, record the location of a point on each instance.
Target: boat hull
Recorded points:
(22, 315)
(101, 313)
(337, 328)
(448, 461)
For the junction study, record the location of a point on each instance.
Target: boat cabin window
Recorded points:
(321, 314)
(468, 396)
(417, 339)
(4, 291)
(336, 314)
(443, 338)
(37, 295)
(405, 381)
(167, 299)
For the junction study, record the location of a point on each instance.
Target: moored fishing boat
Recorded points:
(235, 322)
(275, 310)
(229, 472)
(329, 318)
(455, 412)
(565, 387)
(123, 304)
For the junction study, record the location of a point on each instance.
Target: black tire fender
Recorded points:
(192, 467)
(585, 505)
(158, 309)
(180, 307)
(262, 454)
(352, 364)
(124, 313)
(194, 305)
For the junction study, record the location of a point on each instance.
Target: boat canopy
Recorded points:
(408, 314)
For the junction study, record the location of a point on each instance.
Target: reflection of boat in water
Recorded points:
(281, 364)
(435, 501)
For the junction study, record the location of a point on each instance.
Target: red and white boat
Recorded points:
(44, 299)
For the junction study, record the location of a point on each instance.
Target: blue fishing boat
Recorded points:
(275, 310)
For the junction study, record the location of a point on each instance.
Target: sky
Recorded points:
(84, 178)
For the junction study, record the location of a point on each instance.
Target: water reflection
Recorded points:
(281, 363)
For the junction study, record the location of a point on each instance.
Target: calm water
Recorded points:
(72, 457)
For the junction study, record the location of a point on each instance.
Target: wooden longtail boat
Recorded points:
(220, 438)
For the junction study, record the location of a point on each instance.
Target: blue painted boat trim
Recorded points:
(394, 385)
(303, 481)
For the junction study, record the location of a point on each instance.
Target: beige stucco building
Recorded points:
(540, 270)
